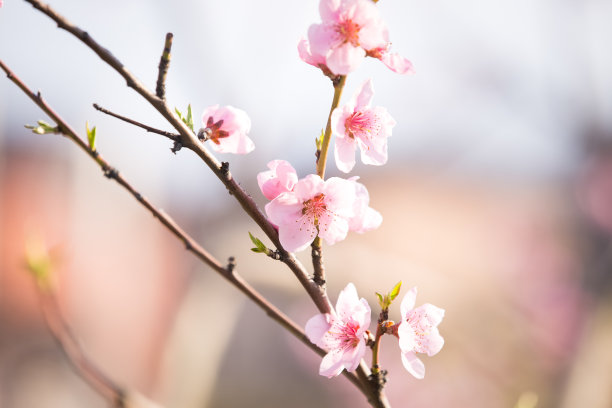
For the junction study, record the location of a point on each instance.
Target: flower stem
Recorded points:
(322, 156)
(375, 349)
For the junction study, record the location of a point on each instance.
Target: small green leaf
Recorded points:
(381, 300)
(91, 136)
(393, 294)
(189, 120)
(186, 120)
(259, 246)
(42, 128)
(319, 140)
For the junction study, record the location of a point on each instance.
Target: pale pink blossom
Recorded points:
(358, 124)
(418, 332)
(314, 207)
(364, 217)
(349, 30)
(281, 178)
(343, 335)
(227, 129)
(392, 60)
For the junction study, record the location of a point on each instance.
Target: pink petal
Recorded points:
(413, 364)
(434, 313)
(295, 239)
(284, 209)
(295, 231)
(397, 63)
(208, 112)
(307, 56)
(338, 119)
(316, 328)
(365, 95)
(363, 316)
(329, 9)
(407, 337)
(308, 187)
(339, 196)
(373, 151)
(322, 38)
(374, 34)
(279, 179)
(347, 301)
(368, 221)
(408, 302)
(332, 364)
(353, 355)
(435, 342)
(236, 143)
(333, 229)
(344, 153)
(365, 218)
(344, 59)
(364, 12)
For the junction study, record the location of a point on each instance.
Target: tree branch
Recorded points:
(190, 141)
(190, 244)
(172, 136)
(164, 62)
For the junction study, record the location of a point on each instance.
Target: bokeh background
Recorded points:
(497, 203)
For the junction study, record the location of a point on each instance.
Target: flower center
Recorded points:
(314, 207)
(362, 125)
(344, 334)
(349, 32)
(215, 130)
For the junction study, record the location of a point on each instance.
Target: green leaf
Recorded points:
(186, 120)
(381, 300)
(91, 136)
(189, 120)
(259, 246)
(42, 128)
(319, 140)
(393, 294)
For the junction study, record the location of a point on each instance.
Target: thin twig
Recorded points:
(322, 154)
(190, 244)
(169, 135)
(189, 140)
(70, 346)
(164, 62)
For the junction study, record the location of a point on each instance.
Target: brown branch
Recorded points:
(190, 141)
(190, 244)
(172, 136)
(164, 62)
(69, 344)
(317, 262)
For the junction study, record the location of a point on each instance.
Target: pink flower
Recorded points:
(418, 332)
(343, 335)
(350, 30)
(281, 178)
(314, 207)
(227, 129)
(357, 124)
(364, 217)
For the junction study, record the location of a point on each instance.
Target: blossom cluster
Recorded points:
(310, 207)
(345, 334)
(303, 209)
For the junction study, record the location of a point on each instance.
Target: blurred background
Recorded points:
(497, 203)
